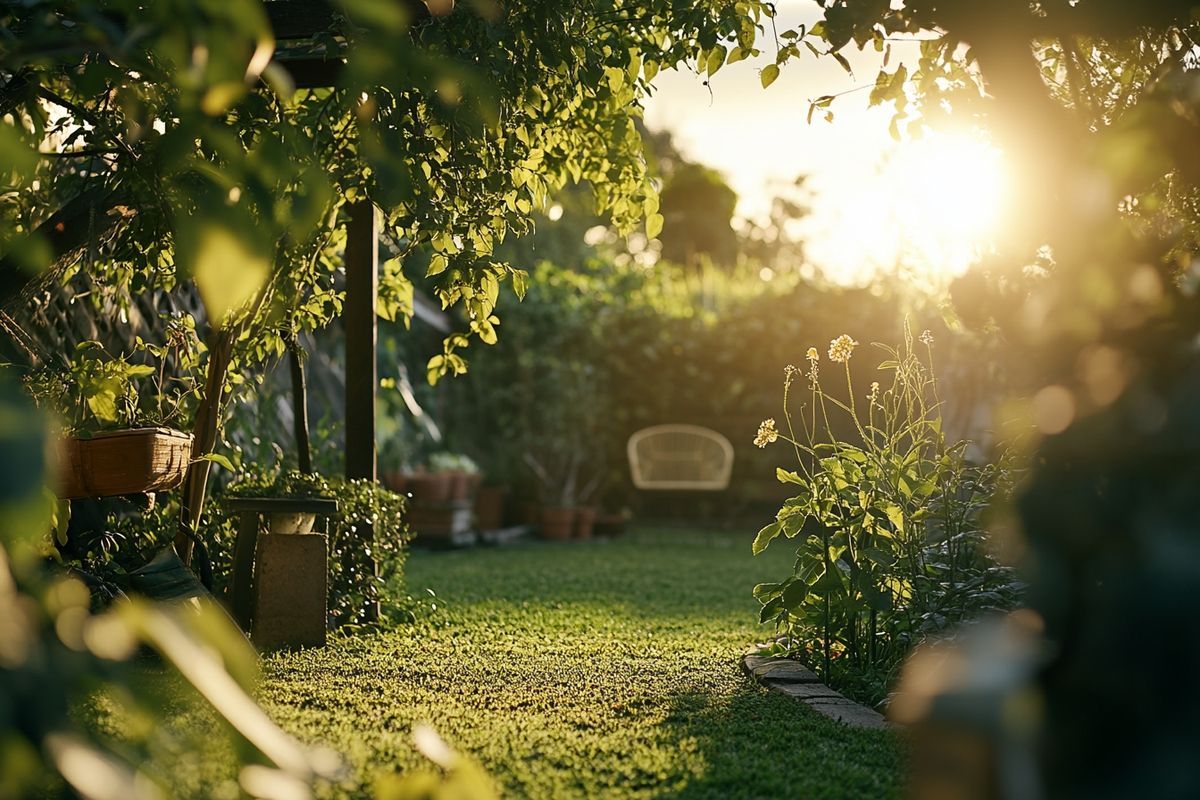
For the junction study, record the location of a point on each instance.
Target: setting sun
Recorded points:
(928, 209)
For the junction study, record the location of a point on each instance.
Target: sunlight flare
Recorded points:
(929, 210)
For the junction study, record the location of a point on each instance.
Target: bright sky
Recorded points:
(864, 215)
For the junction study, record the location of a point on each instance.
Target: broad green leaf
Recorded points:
(435, 369)
(896, 516)
(227, 272)
(218, 459)
(787, 476)
(654, 225)
(765, 536)
(770, 610)
(765, 592)
(793, 595)
(715, 60)
(769, 74)
(880, 557)
(437, 265)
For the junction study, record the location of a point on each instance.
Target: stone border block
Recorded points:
(790, 677)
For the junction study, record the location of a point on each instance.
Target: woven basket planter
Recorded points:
(125, 462)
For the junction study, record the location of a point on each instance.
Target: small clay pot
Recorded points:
(585, 519)
(557, 523)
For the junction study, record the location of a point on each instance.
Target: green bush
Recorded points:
(887, 521)
(599, 350)
(358, 572)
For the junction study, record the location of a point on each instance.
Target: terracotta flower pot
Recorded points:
(489, 508)
(585, 518)
(557, 523)
(429, 489)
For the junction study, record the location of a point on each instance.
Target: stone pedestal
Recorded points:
(280, 584)
(290, 591)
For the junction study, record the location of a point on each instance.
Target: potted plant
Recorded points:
(291, 485)
(464, 476)
(428, 488)
(119, 441)
(563, 486)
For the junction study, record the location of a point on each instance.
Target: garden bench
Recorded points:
(680, 457)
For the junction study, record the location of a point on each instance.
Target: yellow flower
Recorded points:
(812, 354)
(766, 433)
(874, 393)
(841, 348)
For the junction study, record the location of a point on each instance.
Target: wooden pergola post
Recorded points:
(362, 287)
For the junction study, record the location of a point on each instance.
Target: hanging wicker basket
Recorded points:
(131, 461)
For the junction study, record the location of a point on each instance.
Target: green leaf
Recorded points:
(228, 271)
(435, 369)
(841, 59)
(769, 74)
(770, 610)
(787, 476)
(654, 225)
(16, 157)
(895, 515)
(794, 594)
(218, 459)
(765, 536)
(715, 60)
(103, 405)
(437, 265)
(880, 557)
(519, 279)
(765, 592)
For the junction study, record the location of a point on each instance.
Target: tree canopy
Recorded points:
(184, 123)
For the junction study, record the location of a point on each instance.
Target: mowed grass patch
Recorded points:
(581, 669)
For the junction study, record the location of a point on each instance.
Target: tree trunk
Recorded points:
(300, 407)
(207, 426)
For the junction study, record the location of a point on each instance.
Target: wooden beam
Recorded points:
(362, 285)
(312, 72)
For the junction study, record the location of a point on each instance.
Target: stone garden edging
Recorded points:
(790, 677)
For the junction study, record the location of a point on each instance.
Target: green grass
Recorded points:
(601, 669)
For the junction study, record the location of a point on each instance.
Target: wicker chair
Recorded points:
(680, 458)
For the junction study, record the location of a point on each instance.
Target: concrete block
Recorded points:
(291, 586)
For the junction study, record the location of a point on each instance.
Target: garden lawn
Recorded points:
(582, 669)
